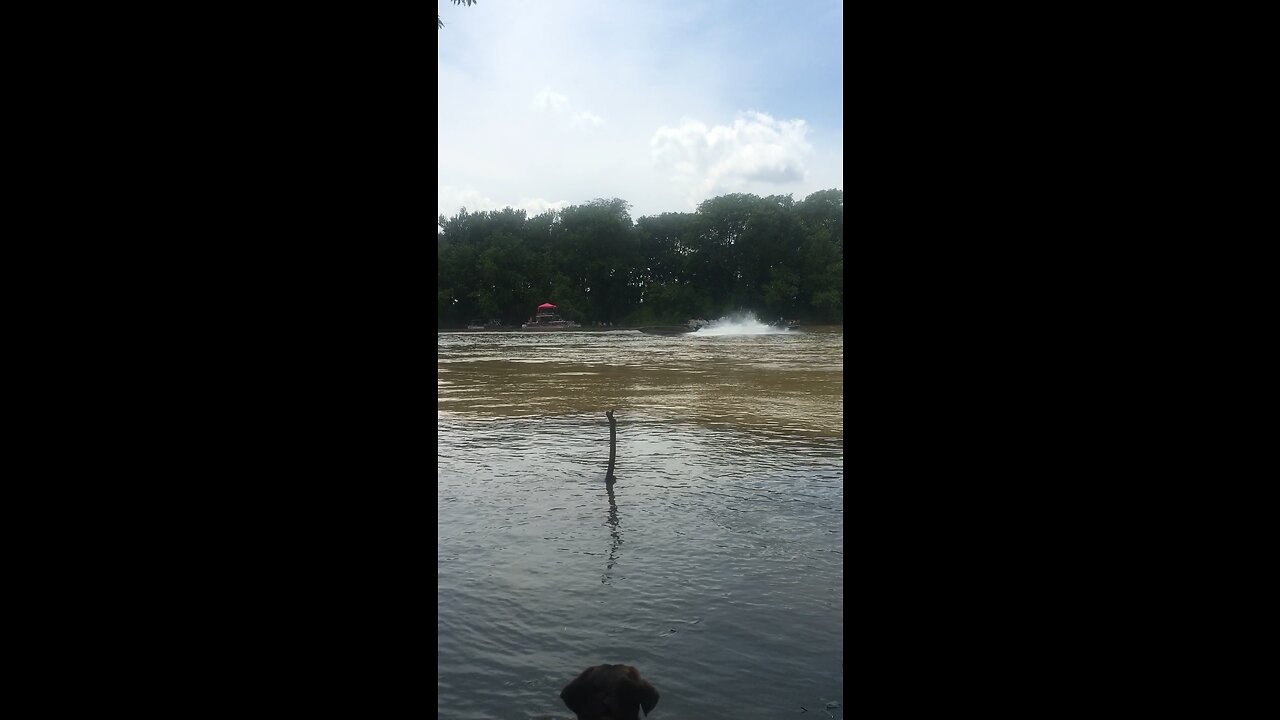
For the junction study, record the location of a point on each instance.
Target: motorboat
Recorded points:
(547, 318)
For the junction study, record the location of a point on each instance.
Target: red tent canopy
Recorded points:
(544, 306)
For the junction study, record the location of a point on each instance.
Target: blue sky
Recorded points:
(663, 104)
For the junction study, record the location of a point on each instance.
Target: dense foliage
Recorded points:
(771, 256)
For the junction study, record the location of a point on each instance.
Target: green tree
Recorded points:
(600, 254)
(668, 252)
(766, 252)
(714, 263)
(821, 217)
(770, 255)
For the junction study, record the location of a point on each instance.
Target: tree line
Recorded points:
(769, 255)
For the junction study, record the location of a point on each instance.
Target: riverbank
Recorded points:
(650, 329)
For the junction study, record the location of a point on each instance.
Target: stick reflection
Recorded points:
(616, 534)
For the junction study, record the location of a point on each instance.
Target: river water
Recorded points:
(714, 564)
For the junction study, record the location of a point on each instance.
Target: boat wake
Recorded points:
(740, 324)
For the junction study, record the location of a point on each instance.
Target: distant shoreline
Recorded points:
(615, 328)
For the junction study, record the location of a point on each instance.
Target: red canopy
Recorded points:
(544, 306)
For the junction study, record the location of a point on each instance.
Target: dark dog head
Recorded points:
(609, 692)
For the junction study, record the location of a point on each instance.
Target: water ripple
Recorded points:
(714, 564)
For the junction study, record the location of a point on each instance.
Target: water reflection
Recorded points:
(612, 521)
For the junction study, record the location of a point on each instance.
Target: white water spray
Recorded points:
(739, 324)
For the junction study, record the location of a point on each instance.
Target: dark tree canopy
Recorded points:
(468, 3)
(771, 255)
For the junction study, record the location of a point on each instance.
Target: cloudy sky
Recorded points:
(663, 103)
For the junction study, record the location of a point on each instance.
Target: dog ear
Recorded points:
(575, 693)
(642, 693)
(648, 696)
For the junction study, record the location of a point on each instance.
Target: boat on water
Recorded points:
(548, 319)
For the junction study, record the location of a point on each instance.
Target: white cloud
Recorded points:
(450, 199)
(756, 148)
(560, 101)
(583, 119)
(537, 206)
(550, 100)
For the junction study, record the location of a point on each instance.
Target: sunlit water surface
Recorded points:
(715, 564)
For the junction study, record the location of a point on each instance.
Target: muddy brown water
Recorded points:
(714, 564)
